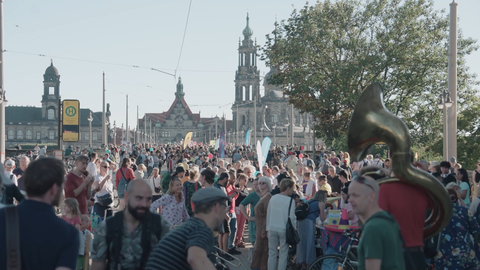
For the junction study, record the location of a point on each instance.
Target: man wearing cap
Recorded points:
(190, 246)
(9, 166)
(179, 173)
(453, 162)
(380, 246)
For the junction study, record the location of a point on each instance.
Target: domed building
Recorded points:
(39, 125)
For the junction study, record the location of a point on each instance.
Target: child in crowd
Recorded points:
(312, 187)
(322, 182)
(85, 237)
(72, 212)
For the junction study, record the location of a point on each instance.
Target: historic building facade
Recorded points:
(172, 125)
(269, 115)
(26, 125)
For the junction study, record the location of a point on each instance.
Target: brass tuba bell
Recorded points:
(372, 123)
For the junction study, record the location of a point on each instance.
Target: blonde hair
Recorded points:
(72, 203)
(170, 188)
(194, 175)
(142, 167)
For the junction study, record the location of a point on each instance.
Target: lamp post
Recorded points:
(261, 132)
(314, 145)
(115, 133)
(123, 133)
(90, 119)
(274, 138)
(444, 103)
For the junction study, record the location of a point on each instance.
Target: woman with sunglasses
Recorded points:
(103, 185)
(462, 178)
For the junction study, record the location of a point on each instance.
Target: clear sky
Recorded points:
(147, 34)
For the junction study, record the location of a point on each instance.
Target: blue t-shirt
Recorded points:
(465, 186)
(313, 210)
(46, 241)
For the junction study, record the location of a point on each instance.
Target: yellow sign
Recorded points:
(212, 142)
(71, 120)
(188, 138)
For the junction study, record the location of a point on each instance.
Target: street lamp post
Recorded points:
(115, 133)
(274, 138)
(444, 103)
(90, 119)
(261, 132)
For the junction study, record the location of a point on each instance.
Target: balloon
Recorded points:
(210, 156)
(300, 155)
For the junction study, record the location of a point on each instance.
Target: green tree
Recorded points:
(328, 53)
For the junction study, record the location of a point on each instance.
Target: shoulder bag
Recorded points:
(13, 238)
(157, 189)
(293, 238)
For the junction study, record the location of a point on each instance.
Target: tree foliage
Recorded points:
(328, 53)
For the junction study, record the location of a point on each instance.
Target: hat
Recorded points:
(179, 169)
(9, 163)
(208, 194)
(453, 160)
(433, 164)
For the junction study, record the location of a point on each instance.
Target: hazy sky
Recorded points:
(147, 34)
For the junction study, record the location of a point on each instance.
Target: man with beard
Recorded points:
(79, 184)
(125, 240)
(190, 245)
(46, 242)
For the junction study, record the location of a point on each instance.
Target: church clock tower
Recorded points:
(51, 93)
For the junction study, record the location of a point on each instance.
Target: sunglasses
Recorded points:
(262, 183)
(362, 180)
(106, 167)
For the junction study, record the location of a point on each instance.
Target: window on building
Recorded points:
(87, 136)
(29, 135)
(51, 90)
(194, 134)
(51, 135)
(20, 134)
(11, 134)
(51, 114)
(94, 136)
(275, 118)
(38, 136)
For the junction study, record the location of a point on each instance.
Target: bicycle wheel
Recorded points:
(331, 262)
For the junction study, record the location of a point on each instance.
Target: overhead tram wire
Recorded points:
(183, 40)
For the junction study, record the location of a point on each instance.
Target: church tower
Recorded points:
(247, 81)
(51, 93)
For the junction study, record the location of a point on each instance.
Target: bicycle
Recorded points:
(345, 261)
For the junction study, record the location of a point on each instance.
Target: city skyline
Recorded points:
(81, 39)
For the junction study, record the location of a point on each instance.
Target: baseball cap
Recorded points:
(453, 160)
(433, 164)
(208, 194)
(9, 163)
(223, 176)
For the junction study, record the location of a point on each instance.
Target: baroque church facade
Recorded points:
(27, 125)
(271, 114)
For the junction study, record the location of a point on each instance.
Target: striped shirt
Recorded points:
(171, 252)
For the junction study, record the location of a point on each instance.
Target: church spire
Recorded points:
(247, 32)
(179, 94)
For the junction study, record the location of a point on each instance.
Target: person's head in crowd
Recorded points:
(70, 207)
(249, 171)
(287, 186)
(125, 163)
(194, 175)
(175, 188)
(453, 161)
(210, 206)
(223, 179)
(85, 222)
(344, 176)
(265, 184)
(307, 175)
(44, 179)
(445, 167)
(344, 192)
(434, 167)
(275, 170)
(139, 198)
(141, 168)
(242, 179)
(24, 161)
(81, 163)
(222, 170)
(320, 196)
(457, 166)
(462, 176)
(331, 171)
(180, 171)
(453, 195)
(363, 195)
(232, 177)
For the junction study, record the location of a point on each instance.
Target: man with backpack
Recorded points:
(125, 240)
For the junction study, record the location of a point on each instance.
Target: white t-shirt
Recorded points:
(309, 190)
(107, 188)
(13, 177)
(277, 213)
(150, 161)
(92, 169)
(155, 182)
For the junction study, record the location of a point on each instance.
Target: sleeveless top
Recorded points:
(313, 210)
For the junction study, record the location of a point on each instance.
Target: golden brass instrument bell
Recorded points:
(371, 123)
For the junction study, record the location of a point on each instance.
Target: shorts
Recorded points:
(225, 228)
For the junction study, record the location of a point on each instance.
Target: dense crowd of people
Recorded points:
(189, 209)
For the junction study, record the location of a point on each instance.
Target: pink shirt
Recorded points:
(73, 221)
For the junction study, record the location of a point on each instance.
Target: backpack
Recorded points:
(325, 166)
(302, 211)
(151, 224)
